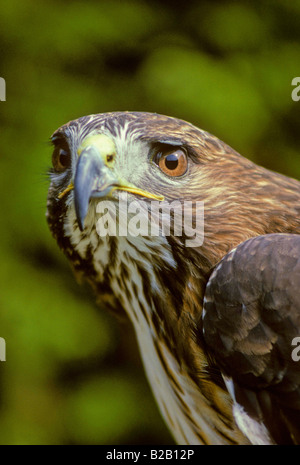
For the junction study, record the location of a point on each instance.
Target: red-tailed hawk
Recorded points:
(215, 322)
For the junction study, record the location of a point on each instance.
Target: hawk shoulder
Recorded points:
(251, 315)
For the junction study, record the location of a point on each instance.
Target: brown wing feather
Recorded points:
(252, 314)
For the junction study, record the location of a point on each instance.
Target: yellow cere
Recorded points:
(103, 143)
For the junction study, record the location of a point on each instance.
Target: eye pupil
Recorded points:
(64, 158)
(61, 159)
(174, 163)
(171, 161)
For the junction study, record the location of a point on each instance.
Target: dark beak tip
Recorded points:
(81, 225)
(80, 216)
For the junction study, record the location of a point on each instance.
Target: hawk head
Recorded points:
(128, 158)
(150, 156)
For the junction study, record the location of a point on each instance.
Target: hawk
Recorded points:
(216, 322)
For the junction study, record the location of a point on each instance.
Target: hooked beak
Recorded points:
(94, 177)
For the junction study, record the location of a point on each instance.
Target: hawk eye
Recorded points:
(172, 163)
(61, 159)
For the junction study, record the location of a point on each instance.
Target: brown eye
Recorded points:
(174, 163)
(61, 159)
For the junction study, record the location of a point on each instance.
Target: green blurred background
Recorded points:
(73, 373)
